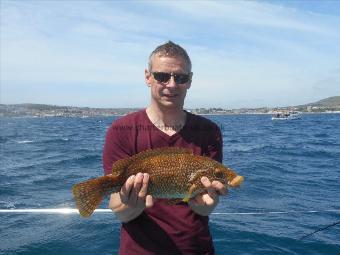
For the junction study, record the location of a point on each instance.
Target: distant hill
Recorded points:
(44, 110)
(328, 102)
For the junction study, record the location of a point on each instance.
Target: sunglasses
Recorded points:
(180, 78)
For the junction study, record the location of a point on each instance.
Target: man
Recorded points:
(151, 226)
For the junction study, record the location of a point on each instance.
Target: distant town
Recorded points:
(331, 104)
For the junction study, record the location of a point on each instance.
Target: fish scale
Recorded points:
(175, 173)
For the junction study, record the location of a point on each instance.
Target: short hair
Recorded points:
(170, 49)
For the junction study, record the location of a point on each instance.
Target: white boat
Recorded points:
(286, 116)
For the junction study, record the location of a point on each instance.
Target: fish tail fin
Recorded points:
(89, 194)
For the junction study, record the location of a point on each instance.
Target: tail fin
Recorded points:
(89, 194)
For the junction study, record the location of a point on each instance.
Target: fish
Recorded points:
(175, 174)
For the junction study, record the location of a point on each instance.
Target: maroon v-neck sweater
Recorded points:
(163, 229)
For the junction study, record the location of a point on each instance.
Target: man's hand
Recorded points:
(132, 199)
(204, 203)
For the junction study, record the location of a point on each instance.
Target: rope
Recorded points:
(75, 211)
(276, 212)
(320, 229)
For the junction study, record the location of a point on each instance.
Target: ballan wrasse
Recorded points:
(175, 174)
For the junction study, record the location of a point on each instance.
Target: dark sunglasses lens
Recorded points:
(162, 77)
(181, 78)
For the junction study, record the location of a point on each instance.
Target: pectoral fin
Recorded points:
(199, 173)
(192, 189)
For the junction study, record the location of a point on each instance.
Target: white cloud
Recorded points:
(243, 52)
(253, 14)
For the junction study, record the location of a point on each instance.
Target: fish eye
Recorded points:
(218, 173)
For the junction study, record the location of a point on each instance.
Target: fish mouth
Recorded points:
(237, 181)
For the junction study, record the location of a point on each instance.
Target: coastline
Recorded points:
(329, 105)
(121, 115)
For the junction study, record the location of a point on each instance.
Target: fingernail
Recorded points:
(204, 179)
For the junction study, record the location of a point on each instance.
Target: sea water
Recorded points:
(291, 188)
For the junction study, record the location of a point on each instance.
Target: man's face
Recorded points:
(168, 94)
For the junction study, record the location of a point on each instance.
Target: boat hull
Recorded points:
(287, 117)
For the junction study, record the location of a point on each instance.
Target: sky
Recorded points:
(244, 53)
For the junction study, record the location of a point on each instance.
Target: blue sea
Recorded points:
(291, 188)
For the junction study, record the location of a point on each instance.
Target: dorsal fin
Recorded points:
(120, 165)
